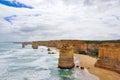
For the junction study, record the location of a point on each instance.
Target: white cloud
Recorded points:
(62, 19)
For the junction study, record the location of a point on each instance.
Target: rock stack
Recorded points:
(35, 45)
(23, 45)
(66, 60)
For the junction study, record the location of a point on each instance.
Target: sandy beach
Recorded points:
(88, 62)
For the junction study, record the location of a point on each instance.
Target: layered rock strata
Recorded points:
(109, 56)
(66, 60)
(109, 53)
(35, 45)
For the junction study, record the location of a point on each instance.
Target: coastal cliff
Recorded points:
(109, 56)
(107, 51)
(77, 44)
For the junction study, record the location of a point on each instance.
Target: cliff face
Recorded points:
(78, 46)
(92, 48)
(109, 56)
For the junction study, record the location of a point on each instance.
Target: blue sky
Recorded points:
(14, 3)
(27, 20)
(10, 18)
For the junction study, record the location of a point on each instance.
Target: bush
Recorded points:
(93, 53)
(82, 52)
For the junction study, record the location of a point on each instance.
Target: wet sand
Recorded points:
(88, 62)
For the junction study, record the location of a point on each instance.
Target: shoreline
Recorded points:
(88, 63)
(54, 49)
(103, 74)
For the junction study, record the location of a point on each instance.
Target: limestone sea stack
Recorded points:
(35, 45)
(66, 60)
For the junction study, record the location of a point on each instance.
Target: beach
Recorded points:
(104, 74)
(88, 62)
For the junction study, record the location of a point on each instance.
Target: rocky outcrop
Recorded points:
(109, 56)
(35, 45)
(66, 60)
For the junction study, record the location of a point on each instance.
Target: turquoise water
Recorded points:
(18, 63)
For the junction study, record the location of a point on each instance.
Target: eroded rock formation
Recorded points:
(109, 56)
(109, 53)
(35, 45)
(26, 43)
(66, 60)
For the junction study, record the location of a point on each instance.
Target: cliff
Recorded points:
(89, 47)
(78, 45)
(92, 49)
(109, 56)
(109, 51)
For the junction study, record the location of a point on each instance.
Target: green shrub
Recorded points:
(82, 52)
(95, 54)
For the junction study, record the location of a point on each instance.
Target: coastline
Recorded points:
(88, 62)
(103, 74)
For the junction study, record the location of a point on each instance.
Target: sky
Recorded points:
(28, 20)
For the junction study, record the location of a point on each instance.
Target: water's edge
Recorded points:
(17, 63)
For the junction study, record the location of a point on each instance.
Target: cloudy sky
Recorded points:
(27, 20)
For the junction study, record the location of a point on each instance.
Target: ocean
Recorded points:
(17, 63)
